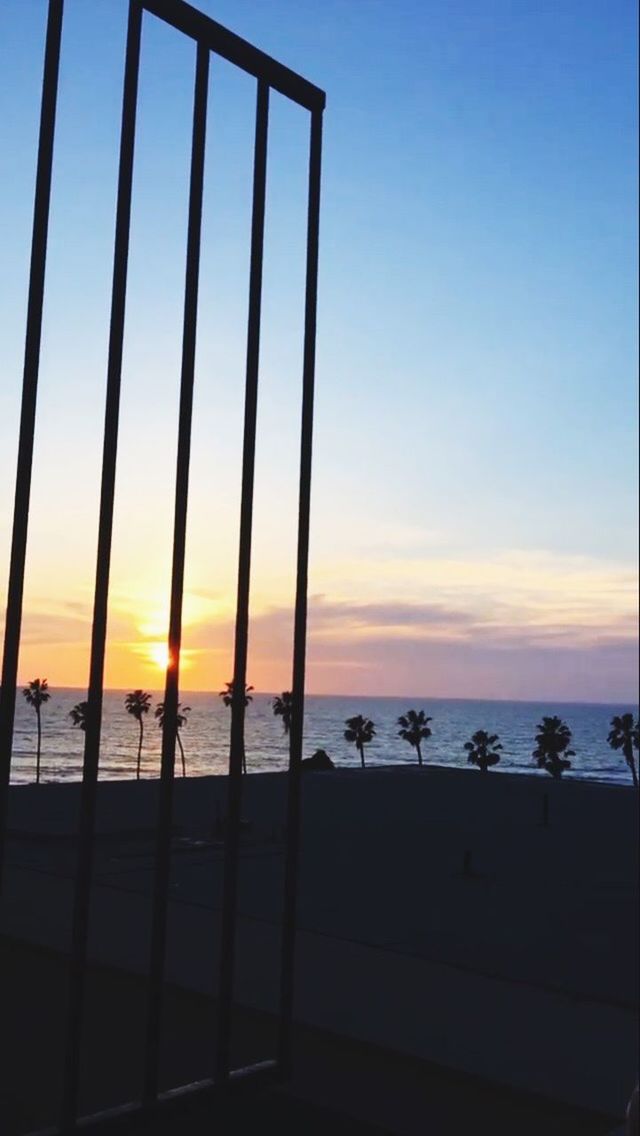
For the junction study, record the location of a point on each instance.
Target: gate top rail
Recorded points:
(236, 50)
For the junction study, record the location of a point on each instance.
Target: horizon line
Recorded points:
(390, 697)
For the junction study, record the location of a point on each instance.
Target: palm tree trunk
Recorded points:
(39, 745)
(139, 750)
(179, 740)
(419, 755)
(628, 753)
(361, 748)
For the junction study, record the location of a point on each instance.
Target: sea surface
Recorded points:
(206, 735)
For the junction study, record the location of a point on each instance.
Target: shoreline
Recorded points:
(534, 776)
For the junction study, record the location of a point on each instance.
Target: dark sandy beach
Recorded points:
(433, 904)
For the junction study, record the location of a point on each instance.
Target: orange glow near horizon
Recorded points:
(361, 636)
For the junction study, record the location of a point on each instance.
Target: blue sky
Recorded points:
(475, 511)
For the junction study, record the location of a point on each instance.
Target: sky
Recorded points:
(474, 511)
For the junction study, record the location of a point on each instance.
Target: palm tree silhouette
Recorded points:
(625, 735)
(181, 720)
(227, 697)
(482, 750)
(283, 708)
(36, 694)
(360, 731)
(552, 740)
(137, 704)
(79, 714)
(415, 729)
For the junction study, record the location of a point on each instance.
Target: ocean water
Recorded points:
(206, 735)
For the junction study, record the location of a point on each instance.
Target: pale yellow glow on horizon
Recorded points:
(521, 589)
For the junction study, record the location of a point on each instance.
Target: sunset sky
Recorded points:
(474, 524)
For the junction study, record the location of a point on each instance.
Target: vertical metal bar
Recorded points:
(300, 625)
(84, 870)
(163, 838)
(232, 842)
(31, 368)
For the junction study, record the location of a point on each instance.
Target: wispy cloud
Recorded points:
(537, 596)
(486, 625)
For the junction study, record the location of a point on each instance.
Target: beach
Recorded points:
(436, 906)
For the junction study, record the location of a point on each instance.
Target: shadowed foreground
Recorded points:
(338, 1087)
(447, 921)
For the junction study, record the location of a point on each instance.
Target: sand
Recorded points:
(517, 962)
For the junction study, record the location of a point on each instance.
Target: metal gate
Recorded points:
(210, 38)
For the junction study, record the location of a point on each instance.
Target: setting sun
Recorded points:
(154, 655)
(158, 654)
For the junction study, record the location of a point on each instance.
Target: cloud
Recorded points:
(606, 672)
(538, 595)
(45, 628)
(327, 615)
(512, 625)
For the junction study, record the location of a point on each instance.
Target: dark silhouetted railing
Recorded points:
(210, 37)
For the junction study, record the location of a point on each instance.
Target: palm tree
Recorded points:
(552, 740)
(414, 729)
(482, 750)
(283, 708)
(79, 714)
(360, 731)
(625, 735)
(181, 720)
(227, 697)
(36, 694)
(137, 704)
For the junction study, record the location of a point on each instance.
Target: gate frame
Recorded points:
(210, 38)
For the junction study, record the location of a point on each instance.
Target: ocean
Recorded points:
(206, 735)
